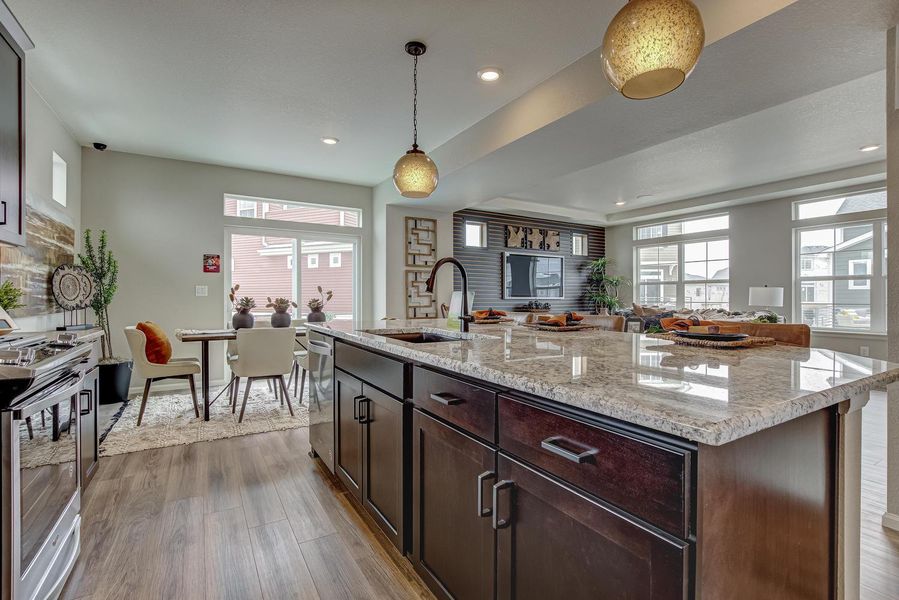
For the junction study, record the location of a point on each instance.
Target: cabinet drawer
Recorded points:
(380, 371)
(643, 478)
(469, 406)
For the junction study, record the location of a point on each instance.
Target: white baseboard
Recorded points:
(891, 521)
(177, 384)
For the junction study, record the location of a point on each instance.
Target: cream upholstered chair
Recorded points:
(265, 353)
(176, 368)
(607, 322)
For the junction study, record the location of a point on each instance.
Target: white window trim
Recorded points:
(239, 221)
(59, 179)
(698, 236)
(853, 283)
(482, 231)
(585, 244)
(312, 261)
(680, 284)
(252, 203)
(331, 257)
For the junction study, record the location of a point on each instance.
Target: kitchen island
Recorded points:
(516, 463)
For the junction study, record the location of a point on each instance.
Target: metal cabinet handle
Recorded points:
(497, 522)
(356, 406)
(90, 402)
(446, 399)
(484, 512)
(364, 418)
(3, 202)
(550, 445)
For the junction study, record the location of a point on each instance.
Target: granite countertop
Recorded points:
(705, 395)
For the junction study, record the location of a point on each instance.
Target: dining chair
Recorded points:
(176, 368)
(265, 353)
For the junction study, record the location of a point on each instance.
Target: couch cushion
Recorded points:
(159, 349)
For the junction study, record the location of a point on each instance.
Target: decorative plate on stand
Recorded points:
(73, 287)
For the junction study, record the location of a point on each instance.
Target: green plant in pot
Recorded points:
(99, 261)
(10, 296)
(281, 317)
(317, 305)
(243, 317)
(602, 288)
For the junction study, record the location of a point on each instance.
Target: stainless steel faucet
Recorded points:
(465, 317)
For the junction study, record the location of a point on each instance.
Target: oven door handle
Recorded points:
(72, 387)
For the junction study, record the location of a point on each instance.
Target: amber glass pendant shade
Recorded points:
(415, 174)
(652, 46)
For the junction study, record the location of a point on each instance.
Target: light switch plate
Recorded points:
(202, 290)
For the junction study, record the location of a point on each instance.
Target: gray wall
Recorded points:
(162, 215)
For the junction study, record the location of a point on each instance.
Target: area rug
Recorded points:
(169, 421)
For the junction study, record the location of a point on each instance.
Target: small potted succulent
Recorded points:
(243, 318)
(281, 317)
(317, 305)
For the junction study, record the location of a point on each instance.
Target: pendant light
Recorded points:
(651, 46)
(415, 174)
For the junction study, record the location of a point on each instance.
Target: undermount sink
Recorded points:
(420, 337)
(425, 335)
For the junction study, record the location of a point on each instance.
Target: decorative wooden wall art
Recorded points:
(551, 240)
(421, 242)
(420, 304)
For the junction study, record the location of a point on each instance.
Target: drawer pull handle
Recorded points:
(446, 399)
(550, 445)
(89, 394)
(497, 522)
(356, 400)
(484, 512)
(364, 418)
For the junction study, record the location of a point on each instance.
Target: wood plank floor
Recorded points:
(243, 518)
(254, 517)
(880, 547)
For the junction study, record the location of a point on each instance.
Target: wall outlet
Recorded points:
(864, 350)
(202, 290)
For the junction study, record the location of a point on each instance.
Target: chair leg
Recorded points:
(285, 394)
(43, 420)
(246, 396)
(30, 429)
(193, 394)
(302, 387)
(235, 394)
(294, 376)
(143, 402)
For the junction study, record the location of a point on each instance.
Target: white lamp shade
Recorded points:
(766, 296)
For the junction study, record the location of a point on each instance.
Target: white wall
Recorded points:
(162, 215)
(761, 253)
(45, 134)
(395, 257)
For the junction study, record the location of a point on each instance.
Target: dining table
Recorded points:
(204, 337)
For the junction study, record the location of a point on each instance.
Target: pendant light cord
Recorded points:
(414, 102)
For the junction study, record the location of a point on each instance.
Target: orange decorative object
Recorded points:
(159, 349)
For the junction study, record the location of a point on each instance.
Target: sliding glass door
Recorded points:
(293, 265)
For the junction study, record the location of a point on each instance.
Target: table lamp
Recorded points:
(766, 297)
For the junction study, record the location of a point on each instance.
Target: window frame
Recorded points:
(241, 221)
(661, 224)
(585, 244)
(310, 259)
(59, 179)
(482, 233)
(331, 256)
(681, 283)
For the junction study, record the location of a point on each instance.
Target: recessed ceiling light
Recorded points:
(870, 148)
(620, 203)
(490, 74)
(330, 140)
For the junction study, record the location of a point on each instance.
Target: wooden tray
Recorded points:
(543, 327)
(749, 342)
(540, 311)
(493, 321)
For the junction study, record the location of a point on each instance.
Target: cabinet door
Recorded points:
(348, 461)
(452, 539)
(382, 419)
(554, 542)
(89, 427)
(12, 113)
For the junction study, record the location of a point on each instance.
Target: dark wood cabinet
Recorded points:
(12, 134)
(88, 431)
(452, 477)
(381, 418)
(348, 443)
(555, 542)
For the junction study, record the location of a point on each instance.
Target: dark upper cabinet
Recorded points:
(554, 542)
(348, 443)
(452, 477)
(89, 427)
(12, 134)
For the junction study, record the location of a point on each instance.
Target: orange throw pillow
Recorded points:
(159, 349)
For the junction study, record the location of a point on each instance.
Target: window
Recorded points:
(860, 267)
(59, 179)
(475, 234)
(579, 244)
(658, 275)
(297, 212)
(686, 227)
(312, 261)
(334, 259)
(694, 275)
(833, 207)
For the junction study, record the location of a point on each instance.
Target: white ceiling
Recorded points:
(256, 84)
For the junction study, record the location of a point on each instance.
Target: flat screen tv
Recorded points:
(533, 276)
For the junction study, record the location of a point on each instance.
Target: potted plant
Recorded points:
(243, 318)
(10, 296)
(115, 372)
(602, 288)
(281, 318)
(317, 305)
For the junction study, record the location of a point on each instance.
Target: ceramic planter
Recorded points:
(316, 316)
(281, 319)
(243, 319)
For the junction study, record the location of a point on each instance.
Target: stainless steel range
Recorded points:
(40, 386)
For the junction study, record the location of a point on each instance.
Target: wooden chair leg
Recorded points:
(143, 402)
(302, 387)
(193, 394)
(235, 393)
(285, 394)
(294, 376)
(246, 396)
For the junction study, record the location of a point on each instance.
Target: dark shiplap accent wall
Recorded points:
(484, 265)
